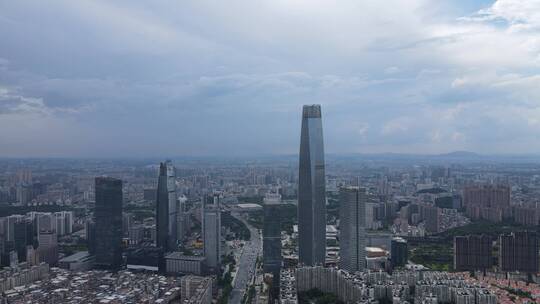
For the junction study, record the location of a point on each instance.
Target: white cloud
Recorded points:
(221, 76)
(399, 125)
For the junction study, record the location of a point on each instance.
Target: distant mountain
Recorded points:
(460, 154)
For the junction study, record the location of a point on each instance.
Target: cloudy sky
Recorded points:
(173, 78)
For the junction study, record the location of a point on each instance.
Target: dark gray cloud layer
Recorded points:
(129, 78)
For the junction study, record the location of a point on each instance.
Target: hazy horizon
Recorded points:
(99, 79)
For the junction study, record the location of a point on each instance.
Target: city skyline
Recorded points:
(177, 152)
(416, 77)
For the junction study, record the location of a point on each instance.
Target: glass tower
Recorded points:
(171, 189)
(108, 223)
(311, 189)
(162, 206)
(272, 239)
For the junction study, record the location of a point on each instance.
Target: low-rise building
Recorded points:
(176, 262)
(79, 261)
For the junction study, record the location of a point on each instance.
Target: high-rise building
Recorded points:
(519, 252)
(352, 231)
(311, 189)
(24, 194)
(489, 202)
(272, 239)
(108, 219)
(9, 230)
(48, 247)
(181, 217)
(211, 230)
(162, 212)
(63, 222)
(171, 189)
(431, 215)
(398, 252)
(472, 252)
(127, 222)
(90, 227)
(23, 237)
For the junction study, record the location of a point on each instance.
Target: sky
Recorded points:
(229, 78)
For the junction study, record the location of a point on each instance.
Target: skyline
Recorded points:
(95, 79)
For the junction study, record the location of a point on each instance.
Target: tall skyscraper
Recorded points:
(171, 188)
(519, 252)
(272, 239)
(352, 231)
(211, 230)
(311, 189)
(108, 219)
(162, 209)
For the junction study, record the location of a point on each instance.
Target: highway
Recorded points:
(246, 267)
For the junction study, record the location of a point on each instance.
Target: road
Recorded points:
(246, 267)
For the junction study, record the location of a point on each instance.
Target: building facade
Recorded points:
(108, 223)
(211, 230)
(398, 252)
(472, 252)
(196, 290)
(489, 202)
(272, 239)
(179, 263)
(311, 189)
(519, 252)
(162, 209)
(352, 228)
(171, 189)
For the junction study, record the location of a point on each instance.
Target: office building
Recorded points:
(177, 263)
(171, 189)
(311, 189)
(108, 219)
(23, 236)
(519, 252)
(162, 209)
(211, 230)
(181, 217)
(472, 252)
(48, 247)
(398, 252)
(431, 215)
(90, 227)
(9, 223)
(272, 239)
(352, 231)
